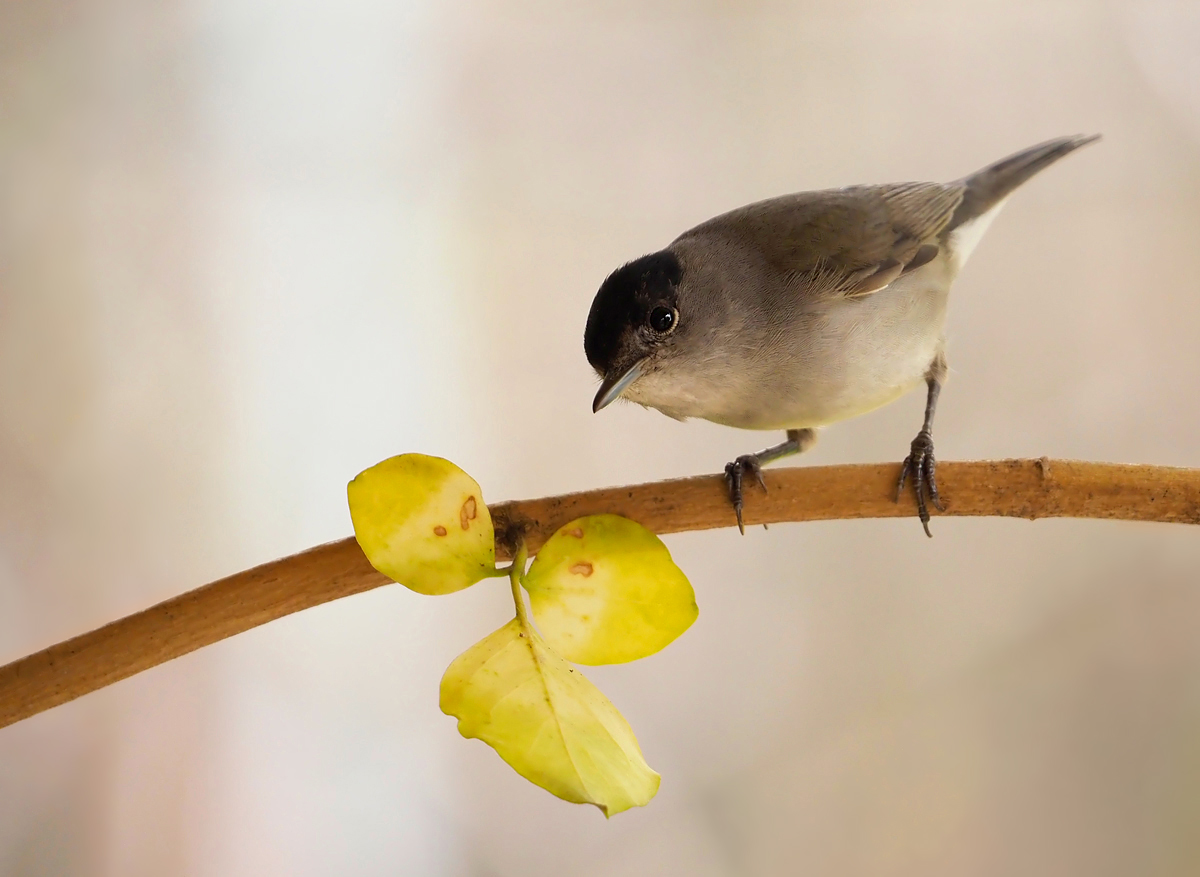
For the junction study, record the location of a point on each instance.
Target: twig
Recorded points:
(1012, 488)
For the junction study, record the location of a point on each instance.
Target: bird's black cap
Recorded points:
(625, 298)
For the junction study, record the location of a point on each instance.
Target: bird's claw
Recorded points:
(735, 473)
(921, 465)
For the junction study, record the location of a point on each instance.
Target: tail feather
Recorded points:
(986, 188)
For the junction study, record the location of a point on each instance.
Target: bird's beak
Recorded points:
(614, 386)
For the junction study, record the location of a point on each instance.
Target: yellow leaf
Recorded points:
(547, 721)
(422, 522)
(604, 590)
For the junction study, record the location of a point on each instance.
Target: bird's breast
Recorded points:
(812, 366)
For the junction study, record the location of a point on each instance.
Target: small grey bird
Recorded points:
(802, 310)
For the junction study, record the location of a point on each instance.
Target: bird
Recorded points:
(801, 311)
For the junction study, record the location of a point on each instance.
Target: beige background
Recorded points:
(248, 248)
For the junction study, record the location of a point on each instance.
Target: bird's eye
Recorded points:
(662, 319)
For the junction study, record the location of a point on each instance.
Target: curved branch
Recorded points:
(1013, 488)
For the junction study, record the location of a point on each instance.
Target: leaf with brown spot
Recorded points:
(604, 590)
(419, 521)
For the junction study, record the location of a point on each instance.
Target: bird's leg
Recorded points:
(920, 463)
(798, 441)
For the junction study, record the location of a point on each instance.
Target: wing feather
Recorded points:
(851, 242)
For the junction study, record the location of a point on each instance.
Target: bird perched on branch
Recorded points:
(802, 310)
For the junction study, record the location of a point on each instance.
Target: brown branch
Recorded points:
(1014, 488)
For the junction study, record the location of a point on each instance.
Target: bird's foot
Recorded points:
(735, 473)
(921, 465)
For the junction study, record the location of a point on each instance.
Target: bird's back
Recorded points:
(853, 232)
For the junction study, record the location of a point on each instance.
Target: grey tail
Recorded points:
(986, 188)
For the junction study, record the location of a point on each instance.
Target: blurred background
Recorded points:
(249, 248)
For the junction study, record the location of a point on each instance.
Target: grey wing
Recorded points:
(849, 242)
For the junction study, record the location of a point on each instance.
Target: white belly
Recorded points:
(870, 355)
(845, 358)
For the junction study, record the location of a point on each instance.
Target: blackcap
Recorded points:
(802, 310)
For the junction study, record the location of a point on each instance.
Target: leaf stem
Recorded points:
(515, 573)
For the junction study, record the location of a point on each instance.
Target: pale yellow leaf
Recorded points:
(545, 719)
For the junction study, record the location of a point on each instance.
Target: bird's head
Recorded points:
(633, 323)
